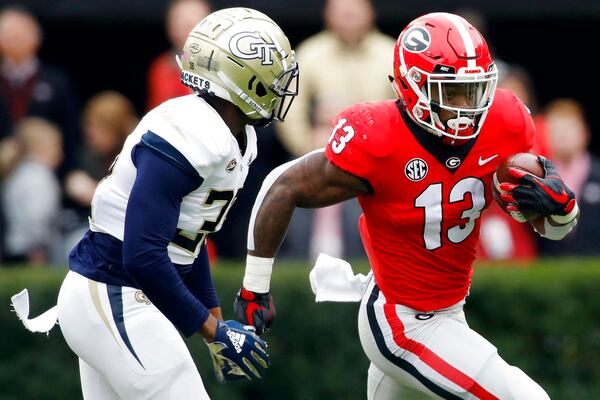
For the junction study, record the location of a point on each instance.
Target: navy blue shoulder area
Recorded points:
(167, 150)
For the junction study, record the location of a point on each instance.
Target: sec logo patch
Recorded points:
(416, 169)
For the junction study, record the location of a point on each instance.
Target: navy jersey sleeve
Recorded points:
(150, 224)
(199, 281)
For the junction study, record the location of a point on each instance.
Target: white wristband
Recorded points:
(565, 219)
(258, 274)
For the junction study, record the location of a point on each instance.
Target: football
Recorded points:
(526, 162)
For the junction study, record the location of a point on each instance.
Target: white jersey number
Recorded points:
(349, 134)
(431, 201)
(190, 242)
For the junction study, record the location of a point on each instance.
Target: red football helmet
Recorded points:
(442, 63)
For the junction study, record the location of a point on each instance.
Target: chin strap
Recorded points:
(456, 123)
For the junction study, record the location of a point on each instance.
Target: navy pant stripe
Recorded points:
(399, 362)
(115, 296)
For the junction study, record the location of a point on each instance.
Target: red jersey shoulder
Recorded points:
(510, 119)
(361, 133)
(372, 124)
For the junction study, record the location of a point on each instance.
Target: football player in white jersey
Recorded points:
(140, 276)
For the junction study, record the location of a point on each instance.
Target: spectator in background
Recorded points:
(107, 119)
(501, 237)
(343, 64)
(516, 79)
(346, 63)
(28, 87)
(31, 193)
(163, 75)
(569, 137)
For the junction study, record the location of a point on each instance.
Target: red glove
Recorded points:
(256, 309)
(535, 196)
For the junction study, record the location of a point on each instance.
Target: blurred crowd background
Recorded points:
(76, 76)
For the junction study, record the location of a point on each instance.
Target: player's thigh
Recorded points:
(384, 363)
(119, 333)
(439, 355)
(167, 368)
(93, 385)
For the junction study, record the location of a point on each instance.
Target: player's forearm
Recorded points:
(209, 328)
(216, 312)
(272, 220)
(272, 211)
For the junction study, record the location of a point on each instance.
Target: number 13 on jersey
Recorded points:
(431, 200)
(348, 130)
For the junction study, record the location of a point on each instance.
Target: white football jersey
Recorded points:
(198, 132)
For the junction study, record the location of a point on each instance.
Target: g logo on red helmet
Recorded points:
(416, 39)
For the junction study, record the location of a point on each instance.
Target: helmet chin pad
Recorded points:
(456, 128)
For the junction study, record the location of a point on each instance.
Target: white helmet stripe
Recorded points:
(279, 49)
(464, 34)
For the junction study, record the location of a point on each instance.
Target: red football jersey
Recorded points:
(420, 226)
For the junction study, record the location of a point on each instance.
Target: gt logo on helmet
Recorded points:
(258, 49)
(416, 40)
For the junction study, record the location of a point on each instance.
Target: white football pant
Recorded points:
(127, 348)
(435, 353)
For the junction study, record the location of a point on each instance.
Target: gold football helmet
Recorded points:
(242, 56)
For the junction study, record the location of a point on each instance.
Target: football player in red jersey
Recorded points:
(422, 169)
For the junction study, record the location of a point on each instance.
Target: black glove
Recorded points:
(535, 196)
(256, 309)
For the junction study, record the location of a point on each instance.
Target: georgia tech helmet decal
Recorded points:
(259, 49)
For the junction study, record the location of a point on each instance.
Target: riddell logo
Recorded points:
(237, 339)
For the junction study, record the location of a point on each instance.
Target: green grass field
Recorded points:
(544, 318)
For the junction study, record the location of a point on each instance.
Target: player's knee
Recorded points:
(522, 387)
(507, 382)
(381, 386)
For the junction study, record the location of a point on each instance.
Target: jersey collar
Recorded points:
(434, 145)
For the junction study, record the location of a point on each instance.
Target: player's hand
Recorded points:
(538, 196)
(256, 309)
(238, 353)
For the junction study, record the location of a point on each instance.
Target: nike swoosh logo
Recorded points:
(560, 198)
(483, 161)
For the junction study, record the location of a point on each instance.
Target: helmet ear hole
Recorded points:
(404, 85)
(260, 90)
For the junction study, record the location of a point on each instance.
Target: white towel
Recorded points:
(42, 323)
(332, 279)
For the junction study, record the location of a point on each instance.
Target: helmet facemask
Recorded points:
(439, 91)
(286, 88)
